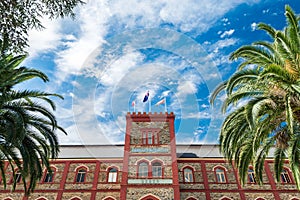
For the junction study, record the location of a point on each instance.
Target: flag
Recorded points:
(146, 97)
(160, 102)
(133, 105)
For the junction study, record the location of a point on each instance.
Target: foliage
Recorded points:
(19, 16)
(27, 125)
(266, 88)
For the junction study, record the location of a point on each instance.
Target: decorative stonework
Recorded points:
(197, 195)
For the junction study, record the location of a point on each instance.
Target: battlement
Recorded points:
(161, 116)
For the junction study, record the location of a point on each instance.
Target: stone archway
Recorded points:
(150, 197)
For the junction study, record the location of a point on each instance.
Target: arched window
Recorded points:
(49, 175)
(225, 198)
(188, 174)
(156, 169)
(75, 198)
(80, 175)
(17, 177)
(143, 169)
(112, 175)
(220, 175)
(260, 198)
(251, 177)
(190, 198)
(41, 198)
(150, 197)
(285, 176)
(109, 198)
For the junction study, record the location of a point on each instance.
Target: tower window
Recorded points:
(150, 137)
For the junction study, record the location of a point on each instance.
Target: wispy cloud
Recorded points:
(227, 33)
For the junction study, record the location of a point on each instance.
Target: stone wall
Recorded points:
(255, 195)
(197, 195)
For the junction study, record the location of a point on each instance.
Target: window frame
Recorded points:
(190, 176)
(18, 175)
(251, 175)
(150, 136)
(287, 173)
(138, 169)
(48, 174)
(161, 168)
(115, 177)
(218, 174)
(78, 172)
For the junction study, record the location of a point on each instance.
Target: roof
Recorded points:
(117, 151)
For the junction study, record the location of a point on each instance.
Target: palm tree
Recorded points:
(27, 125)
(263, 101)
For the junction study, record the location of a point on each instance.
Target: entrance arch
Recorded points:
(150, 197)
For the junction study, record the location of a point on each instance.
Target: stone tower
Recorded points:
(150, 170)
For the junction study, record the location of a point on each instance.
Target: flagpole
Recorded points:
(149, 104)
(166, 104)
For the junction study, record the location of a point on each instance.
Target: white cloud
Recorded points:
(185, 88)
(253, 26)
(46, 39)
(227, 33)
(98, 20)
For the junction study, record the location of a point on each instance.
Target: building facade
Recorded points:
(150, 166)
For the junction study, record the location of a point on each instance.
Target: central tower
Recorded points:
(150, 169)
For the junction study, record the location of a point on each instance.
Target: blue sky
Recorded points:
(116, 51)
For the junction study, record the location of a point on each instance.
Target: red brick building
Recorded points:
(150, 166)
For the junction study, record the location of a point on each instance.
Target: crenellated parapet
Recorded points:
(144, 116)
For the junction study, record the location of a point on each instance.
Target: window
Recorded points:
(17, 178)
(285, 177)
(143, 169)
(149, 137)
(251, 177)
(48, 178)
(188, 175)
(156, 169)
(80, 177)
(112, 175)
(220, 175)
